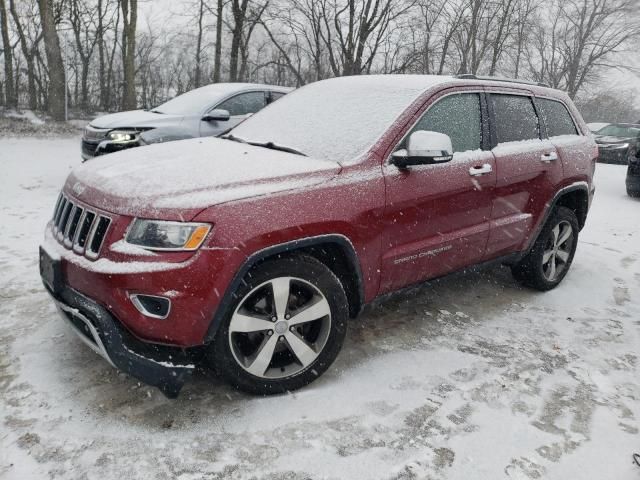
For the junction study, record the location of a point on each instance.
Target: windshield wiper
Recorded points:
(275, 146)
(233, 138)
(269, 145)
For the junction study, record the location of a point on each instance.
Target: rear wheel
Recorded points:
(544, 267)
(286, 326)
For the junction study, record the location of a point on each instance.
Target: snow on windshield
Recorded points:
(337, 119)
(196, 101)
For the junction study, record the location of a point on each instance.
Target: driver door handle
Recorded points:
(549, 157)
(480, 170)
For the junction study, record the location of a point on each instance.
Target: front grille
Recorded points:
(89, 149)
(79, 228)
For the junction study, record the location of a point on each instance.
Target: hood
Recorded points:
(613, 139)
(135, 118)
(179, 179)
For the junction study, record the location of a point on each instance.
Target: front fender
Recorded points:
(166, 134)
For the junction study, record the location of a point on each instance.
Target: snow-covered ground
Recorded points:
(469, 377)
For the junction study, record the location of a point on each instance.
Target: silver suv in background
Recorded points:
(203, 112)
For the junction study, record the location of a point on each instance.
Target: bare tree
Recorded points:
(583, 37)
(11, 99)
(56, 95)
(129, 20)
(82, 18)
(218, 50)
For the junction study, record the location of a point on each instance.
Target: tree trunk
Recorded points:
(130, 18)
(218, 52)
(198, 73)
(57, 86)
(101, 65)
(11, 99)
(28, 52)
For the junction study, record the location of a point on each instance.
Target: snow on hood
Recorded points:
(134, 118)
(191, 175)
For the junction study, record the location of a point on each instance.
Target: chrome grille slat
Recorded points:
(58, 202)
(58, 217)
(79, 228)
(62, 226)
(72, 226)
(96, 238)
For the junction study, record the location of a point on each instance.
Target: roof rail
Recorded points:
(472, 76)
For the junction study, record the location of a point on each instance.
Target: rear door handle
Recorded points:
(480, 170)
(549, 157)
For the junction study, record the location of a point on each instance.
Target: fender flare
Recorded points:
(227, 299)
(582, 185)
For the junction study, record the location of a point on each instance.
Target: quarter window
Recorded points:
(457, 116)
(556, 118)
(275, 96)
(244, 104)
(515, 118)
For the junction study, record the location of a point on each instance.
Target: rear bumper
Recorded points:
(164, 367)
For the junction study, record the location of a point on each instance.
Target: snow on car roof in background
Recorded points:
(197, 100)
(337, 119)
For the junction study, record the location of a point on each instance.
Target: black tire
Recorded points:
(633, 193)
(221, 355)
(532, 271)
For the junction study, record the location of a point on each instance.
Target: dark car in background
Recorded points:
(618, 142)
(203, 112)
(633, 175)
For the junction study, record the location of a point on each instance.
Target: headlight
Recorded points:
(123, 136)
(619, 146)
(161, 235)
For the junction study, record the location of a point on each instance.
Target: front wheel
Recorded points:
(544, 267)
(285, 328)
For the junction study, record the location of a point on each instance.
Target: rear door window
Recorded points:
(515, 118)
(244, 103)
(456, 115)
(556, 118)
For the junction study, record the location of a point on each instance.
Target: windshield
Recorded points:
(337, 119)
(619, 131)
(194, 102)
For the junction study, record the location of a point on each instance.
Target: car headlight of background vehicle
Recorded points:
(123, 136)
(163, 235)
(619, 146)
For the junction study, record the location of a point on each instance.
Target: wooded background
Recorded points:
(109, 59)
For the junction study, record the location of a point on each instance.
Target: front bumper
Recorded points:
(161, 366)
(91, 149)
(617, 156)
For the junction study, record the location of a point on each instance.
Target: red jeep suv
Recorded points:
(249, 253)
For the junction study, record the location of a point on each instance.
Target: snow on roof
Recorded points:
(337, 119)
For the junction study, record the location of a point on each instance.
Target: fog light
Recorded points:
(151, 305)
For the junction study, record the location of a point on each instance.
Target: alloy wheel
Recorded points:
(279, 328)
(557, 251)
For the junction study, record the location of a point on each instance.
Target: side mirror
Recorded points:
(217, 115)
(424, 148)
